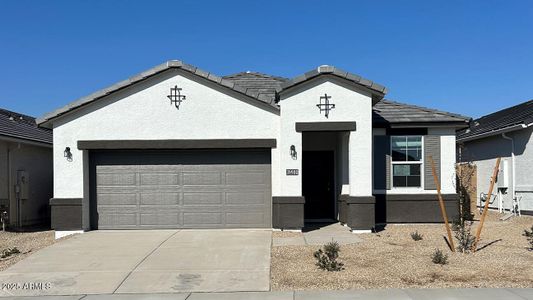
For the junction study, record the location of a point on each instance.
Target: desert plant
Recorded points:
(463, 235)
(439, 258)
(8, 252)
(416, 236)
(529, 236)
(327, 258)
(4, 217)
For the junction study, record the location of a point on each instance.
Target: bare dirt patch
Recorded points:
(26, 242)
(392, 259)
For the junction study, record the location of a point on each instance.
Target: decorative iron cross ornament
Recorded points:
(324, 105)
(175, 96)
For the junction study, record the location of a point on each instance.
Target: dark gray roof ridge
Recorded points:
(332, 70)
(279, 78)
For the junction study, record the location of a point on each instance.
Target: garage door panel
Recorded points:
(245, 178)
(213, 194)
(117, 199)
(115, 219)
(246, 197)
(116, 179)
(159, 198)
(202, 198)
(202, 178)
(160, 218)
(159, 179)
(161, 168)
(102, 169)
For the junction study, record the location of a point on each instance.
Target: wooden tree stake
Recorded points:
(441, 203)
(486, 207)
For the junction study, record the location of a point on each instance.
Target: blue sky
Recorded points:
(468, 57)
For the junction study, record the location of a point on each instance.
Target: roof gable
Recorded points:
(173, 64)
(374, 87)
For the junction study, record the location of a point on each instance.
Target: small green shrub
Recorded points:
(416, 236)
(463, 235)
(327, 258)
(529, 236)
(439, 258)
(4, 218)
(8, 252)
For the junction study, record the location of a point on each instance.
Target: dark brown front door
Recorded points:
(318, 184)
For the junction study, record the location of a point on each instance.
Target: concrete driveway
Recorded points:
(154, 261)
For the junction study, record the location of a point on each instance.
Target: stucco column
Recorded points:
(344, 163)
(85, 204)
(291, 185)
(360, 162)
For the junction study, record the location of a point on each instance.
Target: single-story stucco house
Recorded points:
(26, 170)
(179, 147)
(507, 134)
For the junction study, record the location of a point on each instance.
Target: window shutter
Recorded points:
(382, 162)
(431, 148)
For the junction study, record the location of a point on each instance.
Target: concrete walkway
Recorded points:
(319, 234)
(395, 294)
(154, 261)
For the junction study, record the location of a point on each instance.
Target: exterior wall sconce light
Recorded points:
(294, 155)
(67, 154)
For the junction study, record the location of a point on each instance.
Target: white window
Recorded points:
(407, 155)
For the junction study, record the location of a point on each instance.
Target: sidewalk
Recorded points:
(396, 294)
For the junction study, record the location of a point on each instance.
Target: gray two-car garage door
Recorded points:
(181, 189)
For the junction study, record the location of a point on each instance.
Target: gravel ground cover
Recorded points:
(26, 242)
(392, 259)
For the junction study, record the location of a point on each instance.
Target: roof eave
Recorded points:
(428, 124)
(494, 132)
(25, 140)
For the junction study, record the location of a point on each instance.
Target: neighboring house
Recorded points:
(26, 169)
(179, 147)
(506, 134)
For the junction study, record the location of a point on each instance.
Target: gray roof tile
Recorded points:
(387, 111)
(21, 126)
(521, 114)
(262, 85)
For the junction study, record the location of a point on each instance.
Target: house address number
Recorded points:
(291, 172)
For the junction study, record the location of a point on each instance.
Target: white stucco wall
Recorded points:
(484, 152)
(143, 112)
(300, 106)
